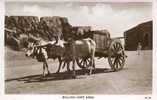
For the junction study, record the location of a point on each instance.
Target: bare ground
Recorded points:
(23, 76)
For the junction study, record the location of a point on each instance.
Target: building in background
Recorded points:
(141, 33)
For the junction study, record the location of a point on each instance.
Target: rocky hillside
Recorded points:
(21, 29)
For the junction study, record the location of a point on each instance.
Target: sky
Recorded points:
(114, 17)
(83, 0)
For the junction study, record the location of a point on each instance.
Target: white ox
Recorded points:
(84, 48)
(64, 51)
(43, 51)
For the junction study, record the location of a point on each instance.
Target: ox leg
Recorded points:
(44, 69)
(63, 65)
(93, 63)
(74, 73)
(91, 66)
(60, 63)
(68, 66)
(90, 70)
(48, 72)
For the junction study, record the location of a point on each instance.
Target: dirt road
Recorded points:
(23, 76)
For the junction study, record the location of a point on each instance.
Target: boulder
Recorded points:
(55, 27)
(18, 26)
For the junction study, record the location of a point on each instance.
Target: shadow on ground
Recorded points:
(57, 76)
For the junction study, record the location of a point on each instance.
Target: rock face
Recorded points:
(55, 26)
(22, 28)
(22, 24)
(141, 33)
(18, 29)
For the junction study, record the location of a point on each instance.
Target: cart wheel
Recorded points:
(116, 56)
(83, 62)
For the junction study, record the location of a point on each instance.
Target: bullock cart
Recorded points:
(112, 49)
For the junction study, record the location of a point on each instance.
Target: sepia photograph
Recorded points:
(78, 48)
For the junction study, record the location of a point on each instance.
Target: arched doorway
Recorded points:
(146, 41)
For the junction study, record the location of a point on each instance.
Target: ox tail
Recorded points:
(92, 42)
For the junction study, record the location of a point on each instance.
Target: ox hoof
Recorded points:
(74, 77)
(48, 73)
(113, 70)
(89, 73)
(43, 76)
(57, 72)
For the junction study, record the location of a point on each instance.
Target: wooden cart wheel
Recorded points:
(83, 62)
(116, 56)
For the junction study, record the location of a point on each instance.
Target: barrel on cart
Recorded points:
(112, 49)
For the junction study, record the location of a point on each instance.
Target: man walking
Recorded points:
(139, 47)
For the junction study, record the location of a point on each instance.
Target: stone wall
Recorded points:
(141, 33)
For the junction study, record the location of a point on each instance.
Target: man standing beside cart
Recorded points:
(139, 47)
